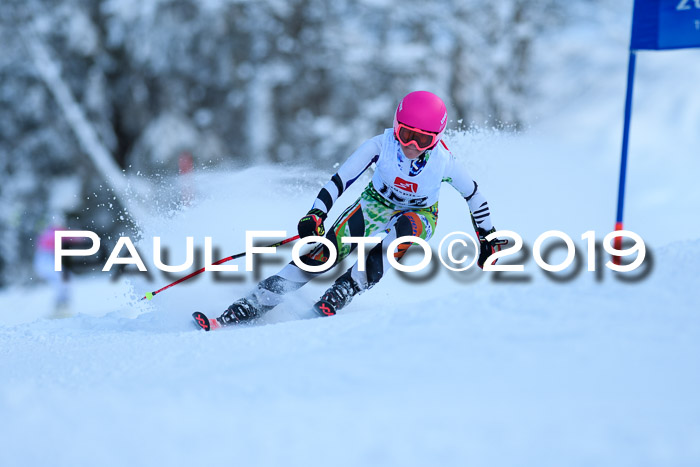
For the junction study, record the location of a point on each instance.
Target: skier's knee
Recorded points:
(409, 224)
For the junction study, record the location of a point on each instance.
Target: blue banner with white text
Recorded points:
(665, 24)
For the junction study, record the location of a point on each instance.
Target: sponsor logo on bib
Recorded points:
(402, 184)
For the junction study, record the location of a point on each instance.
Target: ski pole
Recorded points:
(150, 295)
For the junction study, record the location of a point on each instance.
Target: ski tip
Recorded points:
(324, 308)
(201, 320)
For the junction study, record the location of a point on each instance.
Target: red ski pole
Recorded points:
(150, 295)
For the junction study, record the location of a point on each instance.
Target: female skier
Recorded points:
(411, 162)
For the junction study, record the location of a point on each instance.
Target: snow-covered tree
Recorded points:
(270, 81)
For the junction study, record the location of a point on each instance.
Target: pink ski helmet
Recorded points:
(421, 110)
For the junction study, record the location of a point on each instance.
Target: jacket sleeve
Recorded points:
(352, 168)
(459, 178)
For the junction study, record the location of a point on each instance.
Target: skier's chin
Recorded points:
(410, 152)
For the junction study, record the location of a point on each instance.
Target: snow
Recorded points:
(50, 72)
(535, 374)
(462, 370)
(454, 369)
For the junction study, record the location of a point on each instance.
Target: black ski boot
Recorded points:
(239, 311)
(337, 296)
(265, 297)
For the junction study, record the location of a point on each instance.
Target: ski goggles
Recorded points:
(413, 136)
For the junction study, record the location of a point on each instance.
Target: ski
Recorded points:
(202, 322)
(324, 308)
(321, 308)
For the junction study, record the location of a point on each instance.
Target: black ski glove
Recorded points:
(312, 224)
(487, 248)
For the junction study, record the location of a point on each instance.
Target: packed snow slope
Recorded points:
(436, 368)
